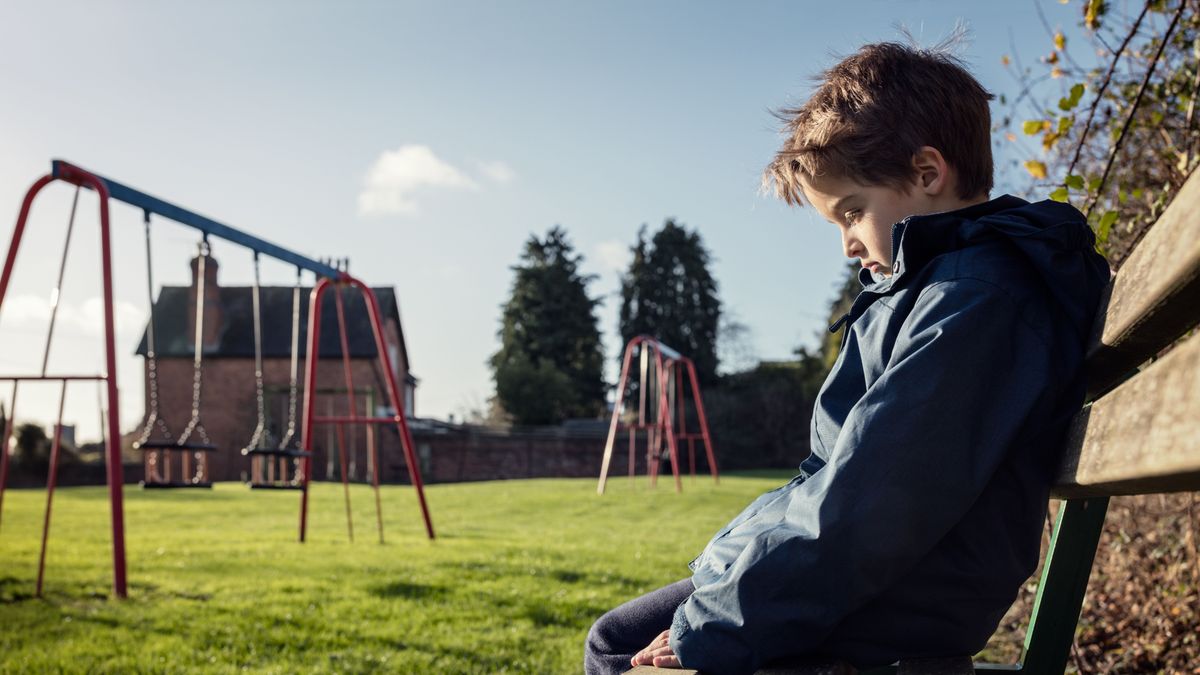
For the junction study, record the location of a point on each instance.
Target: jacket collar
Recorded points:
(918, 239)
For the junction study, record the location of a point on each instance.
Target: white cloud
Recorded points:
(31, 314)
(613, 255)
(392, 181)
(89, 317)
(25, 309)
(497, 171)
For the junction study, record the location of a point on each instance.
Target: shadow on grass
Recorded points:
(14, 590)
(408, 590)
(197, 597)
(546, 615)
(492, 569)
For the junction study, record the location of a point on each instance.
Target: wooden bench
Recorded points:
(1139, 433)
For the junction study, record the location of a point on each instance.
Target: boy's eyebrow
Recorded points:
(841, 203)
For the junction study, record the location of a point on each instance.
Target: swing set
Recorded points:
(661, 412)
(181, 461)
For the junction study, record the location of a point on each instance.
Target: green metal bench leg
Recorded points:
(1064, 582)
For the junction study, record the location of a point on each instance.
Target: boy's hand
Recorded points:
(658, 653)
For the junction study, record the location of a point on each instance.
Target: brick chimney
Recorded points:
(212, 303)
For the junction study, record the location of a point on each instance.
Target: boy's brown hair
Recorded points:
(874, 110)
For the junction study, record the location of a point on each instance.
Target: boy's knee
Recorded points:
(597, 653)
(600, 636)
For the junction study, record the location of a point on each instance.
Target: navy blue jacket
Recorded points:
(919, 513)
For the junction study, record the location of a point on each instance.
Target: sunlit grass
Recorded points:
(217, 581)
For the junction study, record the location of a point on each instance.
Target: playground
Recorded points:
(217, 582)
(216, 455)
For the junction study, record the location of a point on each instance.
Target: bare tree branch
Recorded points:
(1087, 127)
(1136, 102)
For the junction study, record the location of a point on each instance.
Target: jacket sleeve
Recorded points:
(913, 455)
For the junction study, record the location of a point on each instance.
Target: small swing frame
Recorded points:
(660, 414)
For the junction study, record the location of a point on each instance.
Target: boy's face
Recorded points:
(865, 215)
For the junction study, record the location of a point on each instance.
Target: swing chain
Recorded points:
(295, 375)
(152, 418)
(194, 424)
(256, 437)
(56, 294)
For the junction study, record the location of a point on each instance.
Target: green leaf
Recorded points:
(1071, 100)
(1105, 226)
(1064, 124)
(1094, 184)
(1032, 127)
(1074, 182)
(1059, 195)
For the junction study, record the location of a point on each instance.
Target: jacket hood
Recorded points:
(1052, 236)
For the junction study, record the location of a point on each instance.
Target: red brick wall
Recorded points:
(473, 454)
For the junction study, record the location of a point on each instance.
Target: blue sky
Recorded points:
(426, 142)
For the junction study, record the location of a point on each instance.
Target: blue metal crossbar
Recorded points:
(64, 170)
(668, 352)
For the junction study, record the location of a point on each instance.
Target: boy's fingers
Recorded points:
(670, 661)
(660, 646)
(652, 654)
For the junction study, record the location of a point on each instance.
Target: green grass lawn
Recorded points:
(218, 583)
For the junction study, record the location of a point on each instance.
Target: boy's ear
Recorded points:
(930, 170)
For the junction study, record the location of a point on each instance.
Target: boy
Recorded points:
(919, 512)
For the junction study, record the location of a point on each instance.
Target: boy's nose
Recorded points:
(851, 246)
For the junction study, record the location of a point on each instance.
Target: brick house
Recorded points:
(228, 409)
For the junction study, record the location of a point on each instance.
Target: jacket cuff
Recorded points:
(712, 652)
(680, 632)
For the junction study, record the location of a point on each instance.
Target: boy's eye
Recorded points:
(853, 215)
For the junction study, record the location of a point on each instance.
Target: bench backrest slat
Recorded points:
(1142, 437)
(1155, 297)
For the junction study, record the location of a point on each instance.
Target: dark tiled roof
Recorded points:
(236, 339)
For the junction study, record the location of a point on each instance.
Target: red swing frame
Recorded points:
(669, 365)
(114, 477)
(310, 418)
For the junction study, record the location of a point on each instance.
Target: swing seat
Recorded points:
(280, 484)
(150, 446)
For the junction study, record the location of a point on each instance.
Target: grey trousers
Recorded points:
(626, 630)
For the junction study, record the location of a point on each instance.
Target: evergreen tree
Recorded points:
(669, 294)
(32, 452)
(550, 363)
(850, 286)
